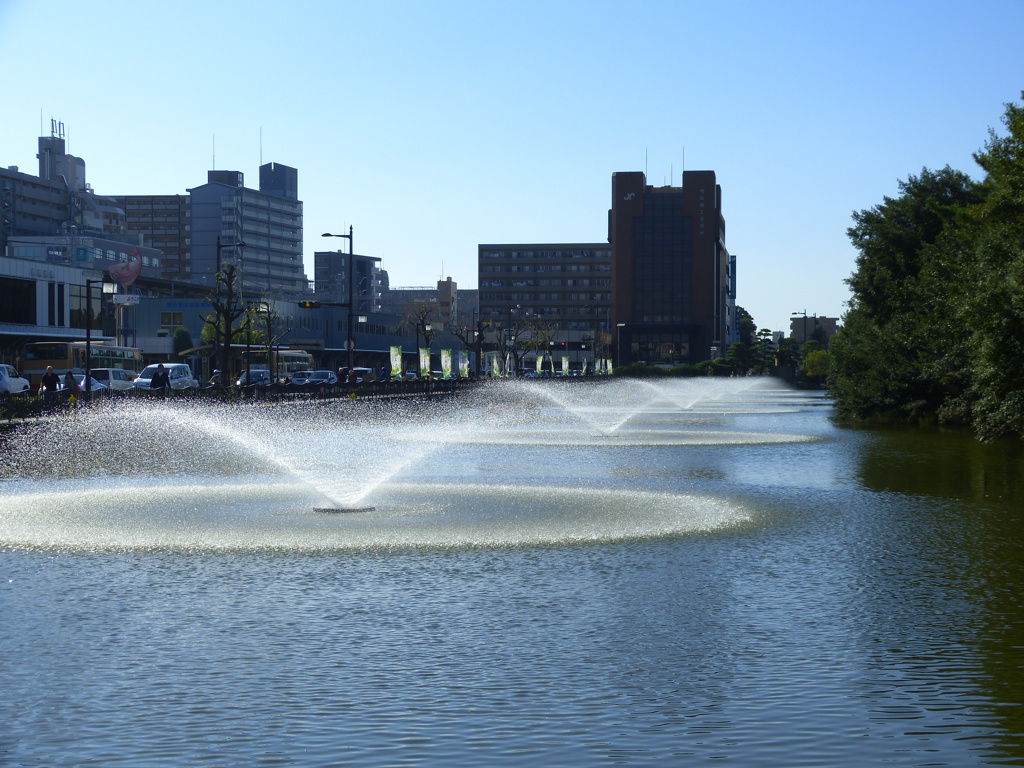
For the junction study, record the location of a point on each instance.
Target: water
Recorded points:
(636, 575)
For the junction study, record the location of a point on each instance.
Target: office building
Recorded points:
(564, 287)
(224, 212)
(162, 222)
(331, 273)
(58, 200)
(673, 295)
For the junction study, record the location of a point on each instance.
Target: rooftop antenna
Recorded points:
(645, 162)
(214, 168)
(261, 146)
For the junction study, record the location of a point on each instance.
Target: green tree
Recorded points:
(182, 339)
(936, 325)
(764, 349)
(993, 312)
(899, 344)
(815, 364)
(741, 357)
(745, 324)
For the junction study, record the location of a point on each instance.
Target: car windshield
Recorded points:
(148, 372)
(319, 375)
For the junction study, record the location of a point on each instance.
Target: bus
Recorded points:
(283, 362)
(70, 356)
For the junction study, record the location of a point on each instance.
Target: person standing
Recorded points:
(70, 386)
(49, 384)
(160, 379)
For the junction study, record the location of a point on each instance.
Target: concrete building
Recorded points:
(58, 199)
(268, 221)
(673, 281)
(331, 271)
(566, 287)
(162, 222)
(805, 327)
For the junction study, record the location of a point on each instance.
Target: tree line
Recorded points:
(935, 326)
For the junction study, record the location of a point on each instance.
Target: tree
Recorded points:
(228, 307)
(745, 324)
(899, 342)
(740, 356)
(419, 315)
(936, 325)
(472, 338)
(815, 364)
(993, 313)
(538, 335)
(764, 349)
(182, 339)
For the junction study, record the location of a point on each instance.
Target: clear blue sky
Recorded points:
(434, 126)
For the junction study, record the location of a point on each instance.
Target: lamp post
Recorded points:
(511, 342)
(220, 247)
(351, 343)
(802, 325)
(107, 288)
(248, 344)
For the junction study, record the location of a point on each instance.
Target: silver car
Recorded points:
(321, 378)
(178, 374)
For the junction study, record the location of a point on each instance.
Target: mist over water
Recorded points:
(541, 573)
(260, 476)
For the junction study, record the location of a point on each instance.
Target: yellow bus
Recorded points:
(284, 363)
(70, 356)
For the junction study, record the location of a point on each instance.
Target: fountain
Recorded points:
(512, 463)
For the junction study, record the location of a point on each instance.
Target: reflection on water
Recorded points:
(766, 590)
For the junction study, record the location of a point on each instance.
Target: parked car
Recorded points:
(117, 379)
(96, 385)
(322, 378)
(11, 382)
(179, 375)
(301, 377)
(260, 378)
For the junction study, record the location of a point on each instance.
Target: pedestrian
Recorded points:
(49, 384)
(160, 379)
(69, 384)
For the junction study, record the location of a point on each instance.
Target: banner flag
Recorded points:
(396, 363)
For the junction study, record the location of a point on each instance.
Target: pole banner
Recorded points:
(396, 363)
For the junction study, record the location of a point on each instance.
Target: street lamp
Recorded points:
(803, 325)
(511, 342)
(107, 288)
(220, 247)
(351, 261)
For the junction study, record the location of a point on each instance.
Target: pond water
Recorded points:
(538, 574)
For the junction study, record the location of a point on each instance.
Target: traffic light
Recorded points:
(309, 304)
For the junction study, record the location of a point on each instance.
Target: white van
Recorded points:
(114, 378)
(178, 374)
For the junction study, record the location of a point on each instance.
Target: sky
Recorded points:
(432, 127)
